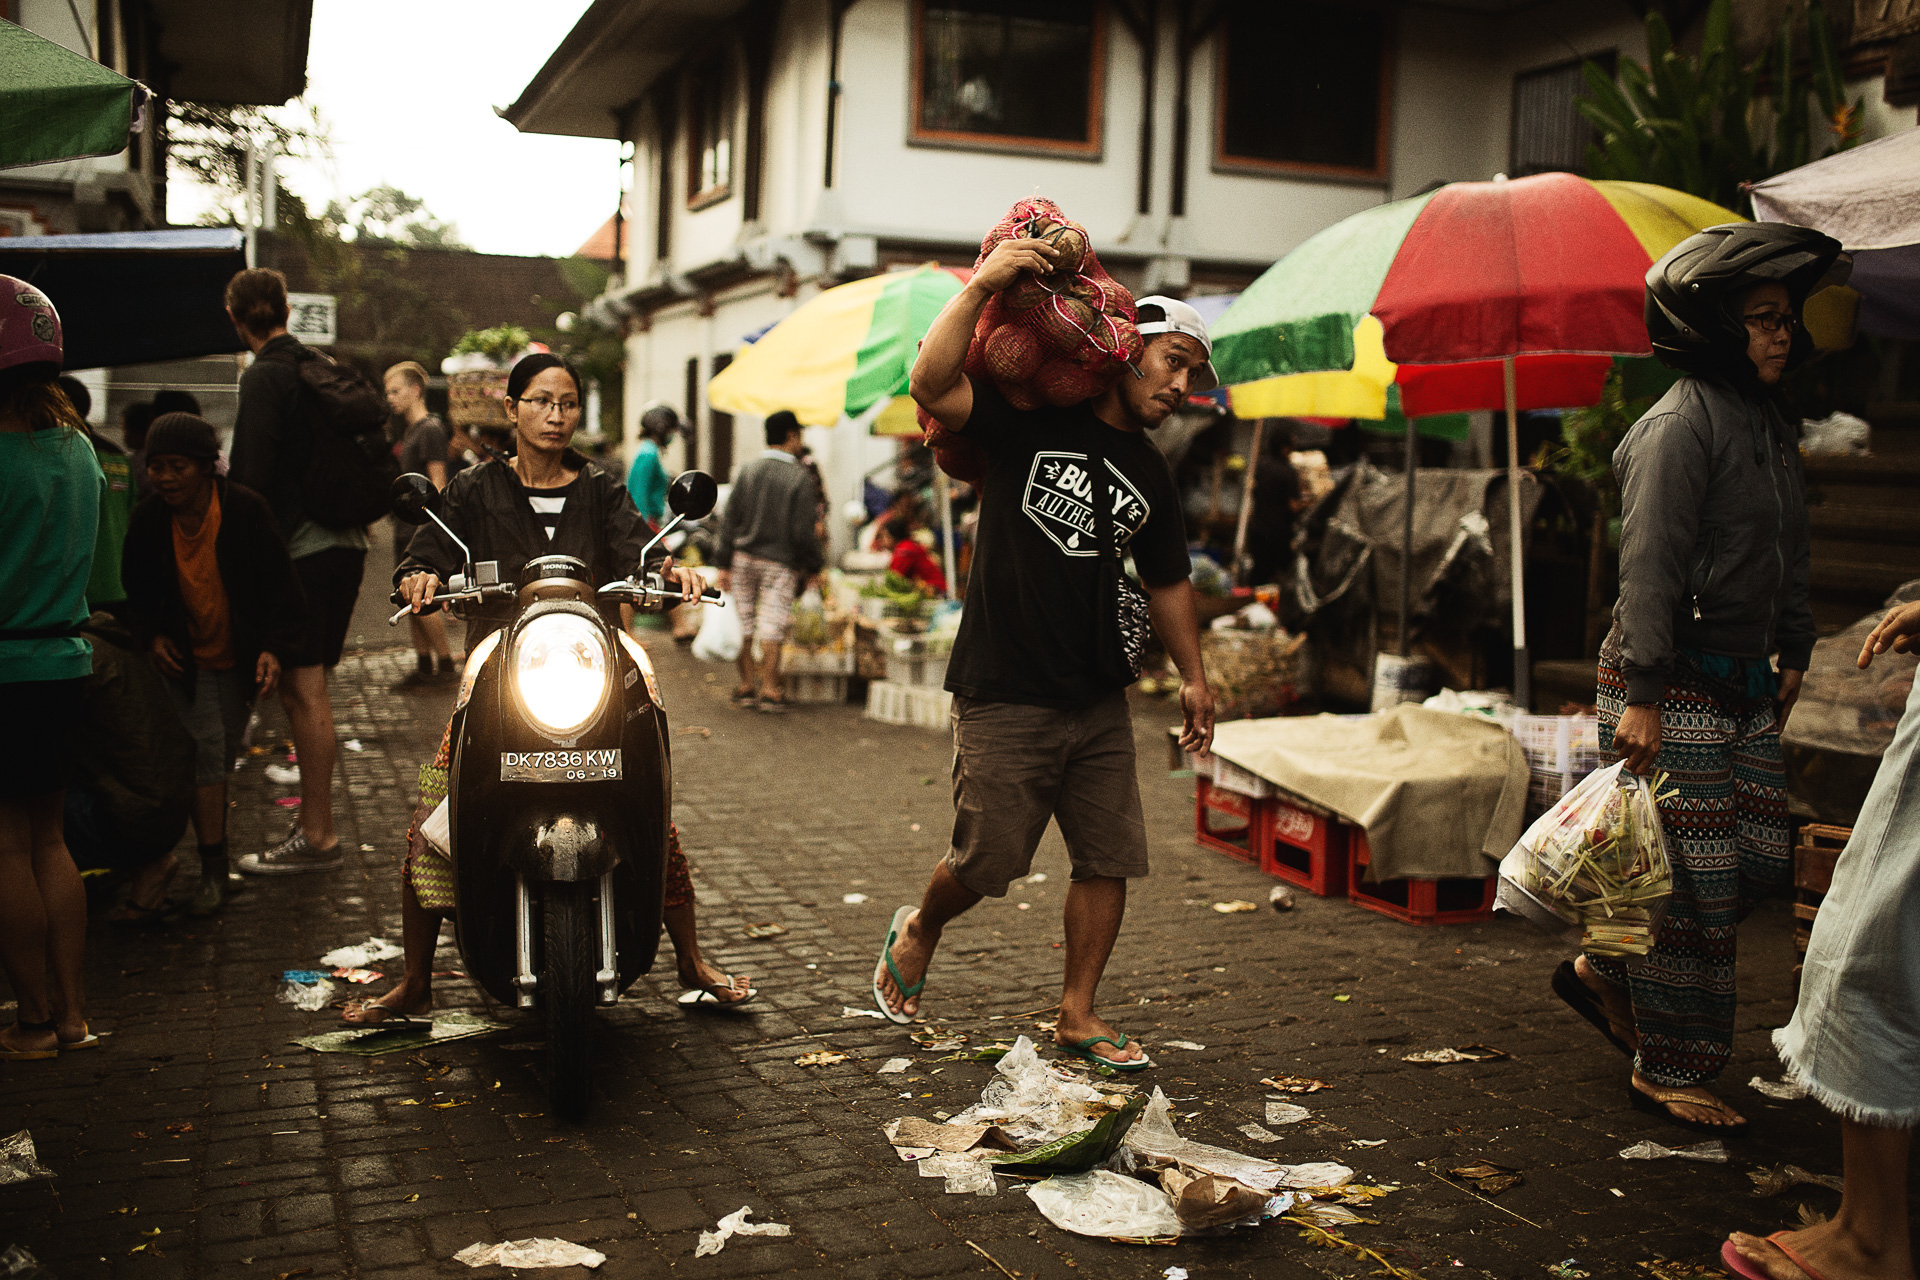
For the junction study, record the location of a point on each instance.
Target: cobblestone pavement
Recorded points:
(200, 1142)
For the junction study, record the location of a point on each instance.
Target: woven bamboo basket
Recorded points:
(476, 399)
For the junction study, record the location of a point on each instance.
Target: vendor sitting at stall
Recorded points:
(911, 559)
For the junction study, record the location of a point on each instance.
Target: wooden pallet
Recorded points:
(1813, 862)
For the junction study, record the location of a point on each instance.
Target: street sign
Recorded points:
(311, 317)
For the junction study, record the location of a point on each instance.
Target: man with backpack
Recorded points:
(310, 437)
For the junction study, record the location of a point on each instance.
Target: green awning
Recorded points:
(56, 104)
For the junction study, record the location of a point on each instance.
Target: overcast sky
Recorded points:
(409, 87)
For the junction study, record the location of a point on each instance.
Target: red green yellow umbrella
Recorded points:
(841, 353)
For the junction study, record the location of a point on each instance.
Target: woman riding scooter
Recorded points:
(546, 500)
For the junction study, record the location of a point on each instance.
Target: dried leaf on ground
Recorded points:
(819, 1058)
(765, 929)
(1714, 1152)
(937, 1038)
(1487, 1178)
(1465, 1053)
(1295, 1084)
(1771, 1182)
(1188, 1045)
(894, 1066)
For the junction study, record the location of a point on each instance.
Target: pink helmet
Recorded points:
(29, 326)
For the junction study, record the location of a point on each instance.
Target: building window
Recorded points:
(1549, 135)
(1303, 87)
(1009, 73)
(709, 132)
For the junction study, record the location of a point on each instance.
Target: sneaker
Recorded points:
(291, 857)
(416, 679)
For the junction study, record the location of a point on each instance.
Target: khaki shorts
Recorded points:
(1016, 766)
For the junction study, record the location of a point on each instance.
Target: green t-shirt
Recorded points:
(116, 508)
(50, 509)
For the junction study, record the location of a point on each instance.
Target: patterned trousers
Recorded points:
(430, 871)
(1726, 831)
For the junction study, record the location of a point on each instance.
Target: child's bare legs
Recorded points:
(419, 937)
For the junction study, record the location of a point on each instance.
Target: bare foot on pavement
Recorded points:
(396, 1004)
(1834, 1253)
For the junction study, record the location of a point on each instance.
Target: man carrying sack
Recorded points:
(1052, 633)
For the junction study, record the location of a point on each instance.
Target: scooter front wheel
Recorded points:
(568, 991)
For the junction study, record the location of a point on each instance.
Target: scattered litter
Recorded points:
(848, 1011)
(1154, 1137)
(938, 1038)
(765, 929)
(1286, 1113)
(392, 1037)
(1771, 1182)
(1321, 1214)
(965, 1176)
(18, 1162)
(361, 956)
(819, 1058)
(283, 775)
(288, 802)
(1568, 1270)
(736, 1224)
(1280, 898)
(366, 848)
(1102, 1203)
(1714, 1152)
(1174, 1273)
(894, 1066)
(16, 1261)
(1209, 1202)
(307, 976)
(362, 976)
(1780, 1091)
(1038, 877)
(1369, 1142)
(911, 1131)
(1295, 1084)
(1342, 998)
(1188, 1045)
(1487, 1178)
(353, 744)
(308, 997)
(1465, 1053)
(853, 899)
(538, 1252)
(1259, 1134)
(1235, 907)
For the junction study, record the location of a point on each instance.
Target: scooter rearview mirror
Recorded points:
(414, 497)
(691, 496)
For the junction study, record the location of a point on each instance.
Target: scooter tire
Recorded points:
(569, 995)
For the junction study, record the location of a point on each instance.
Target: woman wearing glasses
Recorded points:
(1713, 591)
(545, 500)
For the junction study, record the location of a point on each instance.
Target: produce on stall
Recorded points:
(477, 372)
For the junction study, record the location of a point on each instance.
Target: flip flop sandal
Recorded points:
(1579, 997)
(1731, 1257)
(31, 1055)
(389, 1016)
(885, 964)
(745, 698)
(87, 1040)
(1660, 1102)
(704, 997)
(1084, 1049)
(774, 706)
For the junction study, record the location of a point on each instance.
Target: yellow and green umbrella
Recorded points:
(841, 353)
(56, 104)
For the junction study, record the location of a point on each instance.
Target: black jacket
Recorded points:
(272, 439)
(129, 744)
(1714, 541)
(263, 594)
(487, 506)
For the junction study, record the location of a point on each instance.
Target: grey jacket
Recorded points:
(1713, 536)
(771, 513)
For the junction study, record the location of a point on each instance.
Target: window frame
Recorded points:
(1380, 173)
(1093, 149)
(719, 63)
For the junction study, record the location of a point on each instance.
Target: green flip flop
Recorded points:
(900, 984)
(1084, 1049)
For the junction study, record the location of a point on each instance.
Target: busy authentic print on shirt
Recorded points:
(1059, 498)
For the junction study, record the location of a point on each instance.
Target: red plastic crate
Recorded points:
(1306, 849)
(1460, 900)
(1249, 826)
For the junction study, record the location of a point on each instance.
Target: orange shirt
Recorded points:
(209, 624)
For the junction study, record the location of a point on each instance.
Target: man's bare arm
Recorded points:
(1177, 622)
(939, 381)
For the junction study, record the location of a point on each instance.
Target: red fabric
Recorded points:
(1493, 269)
(1542, 382)
(911, 560)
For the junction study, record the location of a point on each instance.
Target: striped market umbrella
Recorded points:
(840, 353)
(1478, 295)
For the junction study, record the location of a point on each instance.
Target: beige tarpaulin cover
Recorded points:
(1439, 794)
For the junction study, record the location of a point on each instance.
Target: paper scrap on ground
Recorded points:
(18, 1161)
(1235, 907)
(309, 997)
(1295, 1084)
(853, 899)
(1369, 1142)
(1286, 1113)
(1714, 1152)
(1780, 1090)
(359, 957)
(1174, 1273)
(353, 744)
(387, 1037)
(1489, 1179)
(766, 929)
(1188, 1045)
(1259, 1134)
(1465, 1053)
(965, 1176)
(848, 1011)
(1771, 1182)
(894, 1066)
(820, 1058)
(736, 1224)
(912, 1131)
(538, 1252)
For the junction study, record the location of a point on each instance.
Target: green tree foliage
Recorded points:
(1686, 120)
(387, 215)
(599, 351)
(208, 142)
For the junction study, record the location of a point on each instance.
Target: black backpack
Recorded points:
(350, 469)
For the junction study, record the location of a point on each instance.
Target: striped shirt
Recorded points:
(548, 503)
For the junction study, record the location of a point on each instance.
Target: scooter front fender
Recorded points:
(562, 847)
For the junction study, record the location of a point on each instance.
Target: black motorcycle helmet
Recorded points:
(659, 423)
(1692, 291)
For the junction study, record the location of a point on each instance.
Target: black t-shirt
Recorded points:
(1027, 632)
(425, 441)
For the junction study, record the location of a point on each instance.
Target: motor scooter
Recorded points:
(560, 789)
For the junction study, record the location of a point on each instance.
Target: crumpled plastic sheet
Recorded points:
(359, 957)
(1714, 1152)
(736, 1224)
(1101, 1203)
(1779, 1090)
(964, 1174)
(1286, 1113)
(1153, 1135)
(1032, 1103)
(310, 997)
(18, 1161)
(16, 1261)
(536, 1252)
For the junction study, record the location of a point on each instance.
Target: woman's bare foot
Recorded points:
(1615, 1000)
(398, 1004)
(1070, 1032)
(147, 893)
(17, 1039)
(701, 976)
(1829, 1249)
(1695, 1104)
(912, 954)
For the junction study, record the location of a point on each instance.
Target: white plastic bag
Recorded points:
(438, 828)
(1106, 1204)
(719, 639)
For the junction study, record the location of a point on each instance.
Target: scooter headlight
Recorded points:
(561, 668)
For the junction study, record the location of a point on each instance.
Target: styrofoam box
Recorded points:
(809, 687)
(893, 703)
